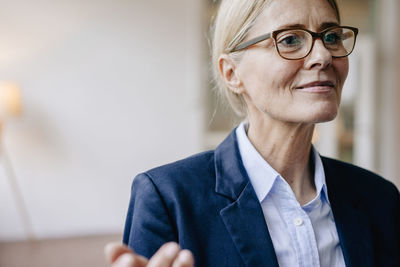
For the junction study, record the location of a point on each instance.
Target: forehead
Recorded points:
(278, 14)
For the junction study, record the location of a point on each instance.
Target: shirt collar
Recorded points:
(262, 176)
(319, 175)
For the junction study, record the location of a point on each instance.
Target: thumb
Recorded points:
(113, 251)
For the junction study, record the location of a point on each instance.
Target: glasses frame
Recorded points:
(315, 35)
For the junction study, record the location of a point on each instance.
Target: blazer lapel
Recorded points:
(243, 218)
(352, 224)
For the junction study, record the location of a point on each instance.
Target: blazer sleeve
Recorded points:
(148, 224)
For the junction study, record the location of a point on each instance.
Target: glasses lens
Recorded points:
(339, 41)
(293, 44)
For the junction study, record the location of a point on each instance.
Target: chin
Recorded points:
(316, 115)
(324, 115)
(315, 111)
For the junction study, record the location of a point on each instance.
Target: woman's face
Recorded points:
(295, 91)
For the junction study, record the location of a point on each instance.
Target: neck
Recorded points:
(286, 147)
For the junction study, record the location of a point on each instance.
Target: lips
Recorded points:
(317, 84)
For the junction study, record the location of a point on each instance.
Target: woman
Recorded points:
(265, 197)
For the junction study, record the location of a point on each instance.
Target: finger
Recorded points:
(165, 256)
(130, 260)
(114, 250)
(185, 259)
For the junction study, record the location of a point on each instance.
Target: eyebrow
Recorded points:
(326, 25)
(323, 26)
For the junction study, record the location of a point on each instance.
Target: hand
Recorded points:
(169, 255)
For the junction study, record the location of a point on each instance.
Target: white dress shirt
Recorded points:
(303, 236)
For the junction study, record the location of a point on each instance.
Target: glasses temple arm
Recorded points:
(251, 42)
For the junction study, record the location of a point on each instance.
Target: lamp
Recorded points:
(11, 106)
(10, 100)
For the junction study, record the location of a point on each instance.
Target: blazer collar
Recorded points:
(352, 224)
(243, 217)
(231, 177)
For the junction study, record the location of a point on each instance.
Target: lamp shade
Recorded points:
(10, 100)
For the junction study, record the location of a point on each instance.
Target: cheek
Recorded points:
(267, 77)
(275, 77)
(341, 66)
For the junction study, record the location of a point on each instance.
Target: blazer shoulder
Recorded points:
(184, 171)
(355, 176)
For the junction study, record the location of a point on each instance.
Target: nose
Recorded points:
(320, 57)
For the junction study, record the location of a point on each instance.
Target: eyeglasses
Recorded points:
(297, 43)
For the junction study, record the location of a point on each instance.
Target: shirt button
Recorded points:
(298, 221)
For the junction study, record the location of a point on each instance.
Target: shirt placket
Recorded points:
(299, 227)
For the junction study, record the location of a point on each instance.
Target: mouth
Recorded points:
(317, 86)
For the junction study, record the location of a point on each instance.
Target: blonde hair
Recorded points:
(234, 20)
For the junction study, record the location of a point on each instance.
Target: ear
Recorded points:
(229, 74)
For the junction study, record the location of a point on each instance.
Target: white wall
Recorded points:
(110, 88)
(388, 57)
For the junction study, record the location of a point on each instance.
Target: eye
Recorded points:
(332, 38)
(290, 40)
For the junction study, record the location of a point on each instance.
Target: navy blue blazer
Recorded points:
(207, 204)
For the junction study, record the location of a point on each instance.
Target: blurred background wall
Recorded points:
(110, 88)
